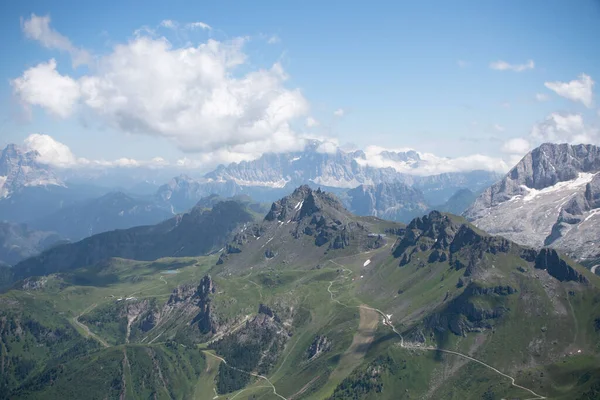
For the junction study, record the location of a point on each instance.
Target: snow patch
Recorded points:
(367, 263)
(271, 184)
(583, 179)
(299, 205)
(295, 159)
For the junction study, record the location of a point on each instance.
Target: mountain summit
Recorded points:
(20, 168)
(551, 197)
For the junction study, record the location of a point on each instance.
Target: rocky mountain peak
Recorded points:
(306, 202)
(550, 198)
(20, 168)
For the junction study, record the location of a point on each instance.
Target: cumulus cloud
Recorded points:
(555, 128)
(541, 97)
(51, 151)
(43, 86)
(564, 128)
(575, 90)
(190, 94)
(38, 28)
(498, 128)
(504, 66)
(518, 146)
(339, 112)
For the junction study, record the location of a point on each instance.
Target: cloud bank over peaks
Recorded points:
(410, 161)
(192, 95)
(555, 128)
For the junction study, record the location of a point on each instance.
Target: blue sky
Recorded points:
(403, 74)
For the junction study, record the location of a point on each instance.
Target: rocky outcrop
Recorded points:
(320, 344)
(549, 260)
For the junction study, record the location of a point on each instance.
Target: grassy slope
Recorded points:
(408, 293)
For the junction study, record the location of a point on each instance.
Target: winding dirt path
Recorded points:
(87, 331)
(248, 373)
(388, 322)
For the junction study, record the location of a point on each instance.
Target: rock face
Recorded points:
(551, 198)
(394, 201)
(321, 344)
(549, 260)
(20, 168)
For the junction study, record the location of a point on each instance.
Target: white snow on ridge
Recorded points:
(583, 179)
(299, 205)
(367, 263)
(272, 184)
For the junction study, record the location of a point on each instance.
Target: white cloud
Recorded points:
(576, 90)
(431, 164)
(463, 63)
(311, 122)
(51, 151)
(198, 25)
(38, 28)
(327, 147)
(504, 66)
(517, 146)
(541, 97)
(168, 23)
(188, 94)
(564, 128)
(506, 104)
(498, 128)
(339, 112)
(57, 154)
(43, 86)
(274, 39)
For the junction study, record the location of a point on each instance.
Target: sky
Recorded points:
(202, 83)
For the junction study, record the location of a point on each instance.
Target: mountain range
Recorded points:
(307, 301)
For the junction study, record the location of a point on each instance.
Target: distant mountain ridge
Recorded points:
(195, 233)
(111, 211)
(550, 198)
(274, 175)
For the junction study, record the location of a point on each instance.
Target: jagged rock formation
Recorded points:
(551, 198)
(20, 168)
(439, 237)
